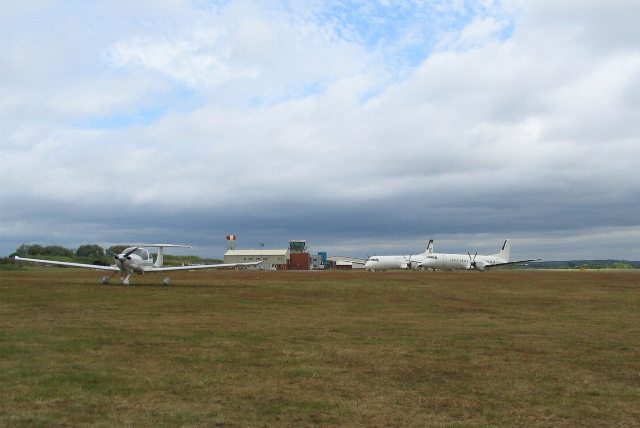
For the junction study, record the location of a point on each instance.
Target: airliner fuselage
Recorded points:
(393, 262)
(460, 262)
(397, 262)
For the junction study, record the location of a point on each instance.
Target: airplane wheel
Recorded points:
(105, 279)
(125, 282)
(166, 281)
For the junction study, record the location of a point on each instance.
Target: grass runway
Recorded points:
(320, 349)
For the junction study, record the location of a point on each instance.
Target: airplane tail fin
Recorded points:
(161, 247)
(429, 249)
(506, 250)
(160, 258)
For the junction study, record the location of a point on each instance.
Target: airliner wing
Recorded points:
(221, 265)
(68, 264)
(498, 265)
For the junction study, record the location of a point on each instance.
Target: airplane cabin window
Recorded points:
(143, 253)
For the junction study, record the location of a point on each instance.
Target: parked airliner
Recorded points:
(397, 262)
(439, 261)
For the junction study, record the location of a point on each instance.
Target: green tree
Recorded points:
(23, 250)
(95, 251)
(621, 265)
(57, 250)
(35, 250)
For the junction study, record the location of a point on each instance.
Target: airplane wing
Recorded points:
(498, 265)
(221, 265)
(82, 265)
(161, 245)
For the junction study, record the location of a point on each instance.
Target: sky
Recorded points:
(364, 126)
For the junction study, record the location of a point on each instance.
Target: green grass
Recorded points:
(237, 349)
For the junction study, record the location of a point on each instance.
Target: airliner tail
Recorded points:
(506, 250)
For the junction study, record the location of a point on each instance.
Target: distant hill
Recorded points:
(587, 264)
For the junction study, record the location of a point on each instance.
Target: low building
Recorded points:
(271, 259)
(343, 262)
(318, 261)
(295, 257)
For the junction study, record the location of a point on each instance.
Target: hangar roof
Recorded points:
(254, 253)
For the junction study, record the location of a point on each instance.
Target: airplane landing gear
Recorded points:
(166, 281)
(105, 279)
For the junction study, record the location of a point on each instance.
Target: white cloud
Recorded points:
(200, 60)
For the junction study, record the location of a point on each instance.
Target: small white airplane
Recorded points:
(438, 261)
(397, 262)
(138, 259)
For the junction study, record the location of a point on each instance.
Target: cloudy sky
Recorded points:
(362, 126)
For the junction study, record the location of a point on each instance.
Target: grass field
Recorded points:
(304, 349)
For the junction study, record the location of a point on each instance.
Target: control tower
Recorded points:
(297, 246)
(299, 259)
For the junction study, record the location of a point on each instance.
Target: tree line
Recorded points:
(586, 264)
(83, 251)
(89, 254)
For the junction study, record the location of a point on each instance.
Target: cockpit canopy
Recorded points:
(143, 253)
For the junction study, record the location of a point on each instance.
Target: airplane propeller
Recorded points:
(122, 257)
(409, 262)
(473, 259)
